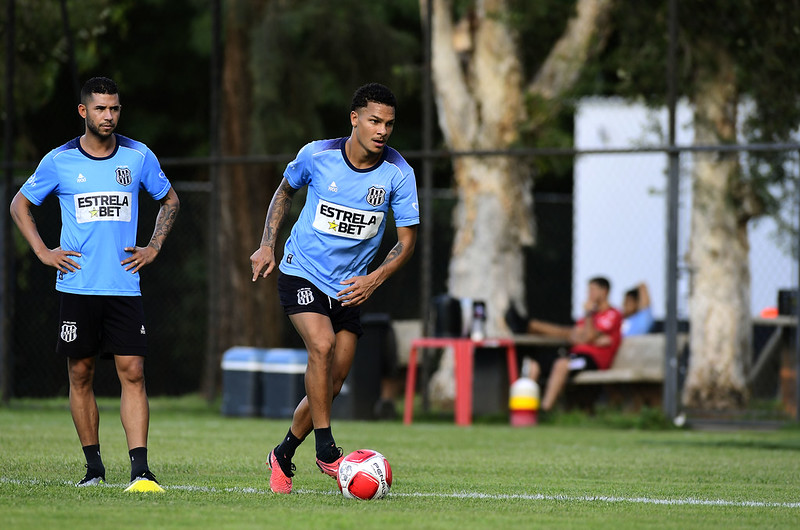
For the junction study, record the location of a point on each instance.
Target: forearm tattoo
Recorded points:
(278, 211)
(395, 253)
(166, 217)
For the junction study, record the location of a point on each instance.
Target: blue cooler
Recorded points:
(282, 381)
(241, 382)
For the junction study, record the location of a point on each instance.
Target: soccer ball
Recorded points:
(364, 474)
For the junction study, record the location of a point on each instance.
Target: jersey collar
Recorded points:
(87, 155)
(342, 144)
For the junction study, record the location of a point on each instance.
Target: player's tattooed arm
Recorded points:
(263, 259)
(393, 254)
(359, 288)
(279, 209)
(166, 218)
(400, 253)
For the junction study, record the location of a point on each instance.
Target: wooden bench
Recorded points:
(635, 378)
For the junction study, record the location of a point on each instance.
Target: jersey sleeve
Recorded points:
(153, 178)
(43, 181)
(405, 205)
(298, 171)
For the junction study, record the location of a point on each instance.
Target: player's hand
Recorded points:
(60, 259)
(602, 340)
(263, 262)
(358, 290)
(140, 256)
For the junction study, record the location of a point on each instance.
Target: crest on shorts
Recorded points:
(376, 196)
(69, 331)
(123, 176)
(305, 296)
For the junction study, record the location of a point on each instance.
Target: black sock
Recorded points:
(285, 450)
(94, 464)
(326, 447)
(138, 461)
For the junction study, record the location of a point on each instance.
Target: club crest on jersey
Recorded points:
(123, 176)
(376, 196)
(69, 331)
(305, 296)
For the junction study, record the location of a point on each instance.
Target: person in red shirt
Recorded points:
(594, 339)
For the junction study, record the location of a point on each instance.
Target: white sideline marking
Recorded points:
(604, 498)
(466, 495)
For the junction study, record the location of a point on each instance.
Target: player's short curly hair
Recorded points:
(374, 92)
(98, 85)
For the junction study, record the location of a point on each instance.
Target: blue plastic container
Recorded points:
(282, 381)
(241, 381)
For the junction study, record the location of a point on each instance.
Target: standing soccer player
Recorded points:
(352, 183)
(97, 178)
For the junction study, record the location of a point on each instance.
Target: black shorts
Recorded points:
(108, 325)
(298, 295)
(580, 362)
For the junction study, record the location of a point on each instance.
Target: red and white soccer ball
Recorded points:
(365, 474)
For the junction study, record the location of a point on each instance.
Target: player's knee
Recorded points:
(131, 373)
(81, 374)
(561, 365)
(338, 383)
(320, 349)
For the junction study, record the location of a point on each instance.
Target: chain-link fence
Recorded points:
(614, 224)
(174, 290)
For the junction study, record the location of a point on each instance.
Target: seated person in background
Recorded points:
(594, 339)
(636, 312)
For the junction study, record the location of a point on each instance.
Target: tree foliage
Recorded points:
(157, 52)
(763, 38)
(41, 54)
(309, 56)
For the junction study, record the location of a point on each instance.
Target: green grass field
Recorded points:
(484, 476)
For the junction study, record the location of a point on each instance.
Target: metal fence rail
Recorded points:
(178, 286)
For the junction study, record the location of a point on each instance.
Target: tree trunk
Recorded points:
(719, 301)
(248, 313)
(480, 95)
(478, 82)
(493, 222)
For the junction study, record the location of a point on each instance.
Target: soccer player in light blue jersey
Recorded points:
(352, 184)
(97, 178)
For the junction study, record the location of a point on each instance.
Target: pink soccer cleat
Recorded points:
(331, 469)
(279, 482)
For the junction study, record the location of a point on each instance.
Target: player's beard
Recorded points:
(95, 130)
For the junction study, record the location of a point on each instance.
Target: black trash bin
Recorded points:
(447, 320)
(375, 358)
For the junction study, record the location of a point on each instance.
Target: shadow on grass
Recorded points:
(648, 419)
(782, 445)
(188, 404)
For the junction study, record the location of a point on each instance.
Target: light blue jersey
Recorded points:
(341, 225)
(99, 200)
(639, 323)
